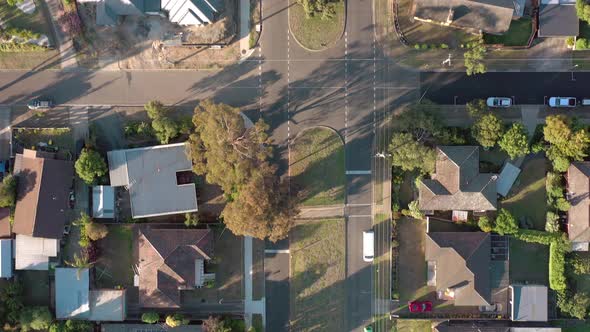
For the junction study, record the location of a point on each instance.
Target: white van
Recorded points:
(368, 246)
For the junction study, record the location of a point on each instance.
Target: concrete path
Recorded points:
(321, 212)
(5, 113)
(245, 28)
(63, 42)
(250, 306)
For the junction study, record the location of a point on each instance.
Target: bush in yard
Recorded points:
(515, 141)
(582, 44)
(8, 191)
(413, 211)
(535, 236)
(150, 317)
(557, 251)
(583, 10)
(13, 2)
(191, 219)
(575, 305)
(487, 130)
(552, 222)
(562, 204)
(444, 46)
(485, 224)
(35, 318)
(176, 320)
(215, 324)
(71, 326)
(90, 166)
(505, 223)
(474, 58)
(569, 41)
(96, 231)
(579, 264)
(553, 185)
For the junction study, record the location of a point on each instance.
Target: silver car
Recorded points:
(40, 104)
(563, 102)
(499, 102)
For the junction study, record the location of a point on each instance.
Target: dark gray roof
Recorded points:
(462, 262)
(457, 183)
(492, 16)
(558, 21)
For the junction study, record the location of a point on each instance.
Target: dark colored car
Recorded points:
(72, 200)
(420, 306)
(40, 104)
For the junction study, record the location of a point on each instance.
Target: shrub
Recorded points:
(537, 147)
(557, 250)
(424, 46)
(505, 223)
(150, 317)
(552, 222)
(413, 211)
(575, 305)
(444, 46)
(535, 236)
(90, 166)
(485, 224)
(579, 264)
(416, 46)
(96, 231)
(175, 320)
(20, 47)
(570, 41)
(35, 318)
(582, 44)
(191, 219)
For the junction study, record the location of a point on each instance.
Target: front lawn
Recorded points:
(114, 267)
(527, 198)
(412, 325)
(51, 139)
(412, 261)
(517, 35)
(316, 33)
(317, 167)
(529, 262)
(317, 289)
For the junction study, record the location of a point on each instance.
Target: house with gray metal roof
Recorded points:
(459, 266)
(182, 12)
(159, 179)
(528, 303)
(457, 183)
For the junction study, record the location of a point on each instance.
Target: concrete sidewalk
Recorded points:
(250, 307)
(245, 28)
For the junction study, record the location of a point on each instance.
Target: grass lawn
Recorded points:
(59, 137)
(528, 198)
(35, 287)
(114, 267)
(411, 325)
(316, 33)
(317, 167)
(412, 261)
(517, 35)
(529, 262)
(317, 276)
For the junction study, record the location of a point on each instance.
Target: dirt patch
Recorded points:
(153, 42)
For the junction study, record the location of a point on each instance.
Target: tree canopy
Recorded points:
(8, 191)
(409, 155)
(474, 58)
(515, 141)
(215, 324)
(566, 144)
(476, 108)
(505, 223)
(35, 318)
(583, 10)
(90, 166)
(164, 126)
(487, 130)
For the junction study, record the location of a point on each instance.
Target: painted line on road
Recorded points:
(358, 172)
(276, 251)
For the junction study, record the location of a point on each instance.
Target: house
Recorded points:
(528, 303)
(457, 183)
(459, 266)
(130, 327)
(490, 16)
(170, 261)
(578, 216)
(41, 207)
(75, 300)
(182, 12)
(103, 202)
(159, 179)
(6, 265)
(558, 18)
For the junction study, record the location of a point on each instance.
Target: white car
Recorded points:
(499, 102)
(562, 102)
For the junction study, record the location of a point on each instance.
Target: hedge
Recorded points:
(557, 280)
(534, 236)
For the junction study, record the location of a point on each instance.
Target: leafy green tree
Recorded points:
(505, 223)
(485, 224)
(150, 317)
(11, 297)
(565, 143)
(413, 211)
(477, 108)
(96, 231)
(487, 130)
(575, 305)
(8, 191)
(562, 204)
(474, 57)
(215, 324)
(409, 155)
(175, 320)
(35, 318)
(583, 10)
(90, 166)
(552, 222)
(164, 126)
(515, 141)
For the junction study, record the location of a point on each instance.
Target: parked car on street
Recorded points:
(40, 104)
(562, 102)
(499, 102)
(420, 306)
(72, 199)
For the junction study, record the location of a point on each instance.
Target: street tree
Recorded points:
(476, 108)
(505, 223)
(474, 57)
(165, 128)
(90, 166)
(487, 130)
(409, 155)
(8, 191)
(515, 141)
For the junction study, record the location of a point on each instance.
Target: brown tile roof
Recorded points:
(457, 183)
(462, 262)
(42, 195)
(167, 263)
(578, 179)
(5, 223)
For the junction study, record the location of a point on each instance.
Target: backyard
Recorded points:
(527, 199)
(114, 267)
(318, 274)
(528, 262)
(517, 35)
(317, 167)
(316, 32)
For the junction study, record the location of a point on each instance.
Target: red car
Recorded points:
(420, 306)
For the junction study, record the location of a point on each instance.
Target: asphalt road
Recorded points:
(524, 87)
